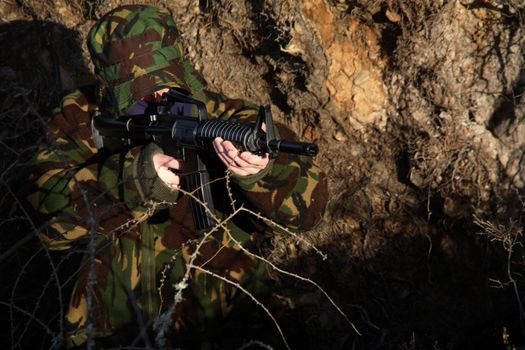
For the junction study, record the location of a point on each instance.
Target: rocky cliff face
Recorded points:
(419, 112)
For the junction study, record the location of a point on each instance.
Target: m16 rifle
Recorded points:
(192, 136)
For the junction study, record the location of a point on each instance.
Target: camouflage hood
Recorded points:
(136, 51)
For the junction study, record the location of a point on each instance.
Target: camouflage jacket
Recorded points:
(137, 252)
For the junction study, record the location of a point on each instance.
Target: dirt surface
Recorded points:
(418, 109)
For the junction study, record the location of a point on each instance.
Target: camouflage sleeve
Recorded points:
(292, 190)
(74, 186)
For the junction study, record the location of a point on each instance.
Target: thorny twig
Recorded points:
(237, 285)
(161, 322)
(304, 279)
(56, 340)
(510, 236)
(249, 344)
(55, 277)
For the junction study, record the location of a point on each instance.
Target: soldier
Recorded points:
(105, 201)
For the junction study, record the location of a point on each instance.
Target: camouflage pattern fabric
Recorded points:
(138, 251)
(136, 51)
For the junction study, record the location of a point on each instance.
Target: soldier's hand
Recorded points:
(163, 165)
(240, 163)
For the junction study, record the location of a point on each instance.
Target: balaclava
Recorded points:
(136, 51)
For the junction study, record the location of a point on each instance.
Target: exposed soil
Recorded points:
(418, 108)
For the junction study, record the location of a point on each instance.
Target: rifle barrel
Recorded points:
(303, 148)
